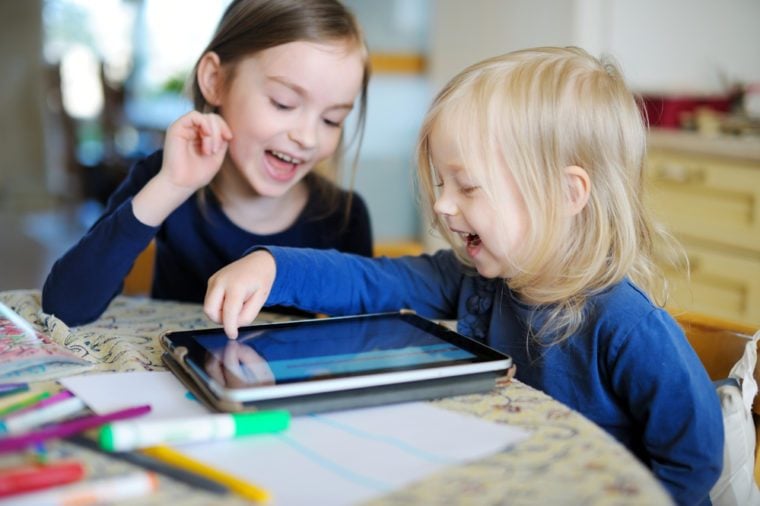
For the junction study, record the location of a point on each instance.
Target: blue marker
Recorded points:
(12, 388)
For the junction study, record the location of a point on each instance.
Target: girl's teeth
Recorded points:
(284, 157)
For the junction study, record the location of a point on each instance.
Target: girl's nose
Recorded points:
(304, 133)
(445, 206)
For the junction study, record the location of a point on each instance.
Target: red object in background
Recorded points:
(35, 477)
(665, 111)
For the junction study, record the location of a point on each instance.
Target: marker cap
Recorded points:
(106, 438)
(261, 422)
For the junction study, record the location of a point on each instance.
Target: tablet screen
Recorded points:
(331, 348)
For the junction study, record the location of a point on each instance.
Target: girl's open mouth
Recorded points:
(472, 240)
(281, 166)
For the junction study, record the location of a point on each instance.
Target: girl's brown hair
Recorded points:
(250, 26)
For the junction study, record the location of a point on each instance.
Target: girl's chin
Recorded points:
(261, 184)
(270, 190)
(487, 271)
(490, 270)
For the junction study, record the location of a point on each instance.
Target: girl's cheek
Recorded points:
(330, 146)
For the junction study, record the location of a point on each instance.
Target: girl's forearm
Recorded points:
(157, 200)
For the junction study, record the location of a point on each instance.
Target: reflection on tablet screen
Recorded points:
(346, 348)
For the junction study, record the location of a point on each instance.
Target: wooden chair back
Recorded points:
(719, 345)
(140, 278)
(398, 248)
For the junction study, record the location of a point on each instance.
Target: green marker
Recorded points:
(130, 434)
(24, 401)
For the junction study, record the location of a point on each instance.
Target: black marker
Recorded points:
(151, 464)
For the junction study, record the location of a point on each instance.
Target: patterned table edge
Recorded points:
(567, 459)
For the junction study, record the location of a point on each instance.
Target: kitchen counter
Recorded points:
(745, 148)
(706, 191)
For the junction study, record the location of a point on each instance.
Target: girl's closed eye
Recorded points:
(469, 190)
(280, 106)
(333, 123)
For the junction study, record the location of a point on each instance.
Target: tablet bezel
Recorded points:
(486, 360)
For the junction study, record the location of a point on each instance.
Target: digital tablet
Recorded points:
(331, 363)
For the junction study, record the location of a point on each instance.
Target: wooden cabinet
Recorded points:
(707, 192)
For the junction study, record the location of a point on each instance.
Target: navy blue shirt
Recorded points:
(194, 242)
(629, 368)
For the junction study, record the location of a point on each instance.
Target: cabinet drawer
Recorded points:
(723, 285)
(706, 198)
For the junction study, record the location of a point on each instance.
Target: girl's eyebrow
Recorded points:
(454, 167)
(301, 91)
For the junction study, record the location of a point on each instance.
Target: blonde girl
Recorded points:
(271, 91)
(532, 164)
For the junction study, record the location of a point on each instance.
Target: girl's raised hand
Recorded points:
(194, 149)
(193, 153)
(236, 293)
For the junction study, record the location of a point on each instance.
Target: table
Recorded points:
(567, 459)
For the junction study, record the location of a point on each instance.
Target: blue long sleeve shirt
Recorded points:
(629, 368)
(193, 243)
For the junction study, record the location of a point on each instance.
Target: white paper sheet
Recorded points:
(347, 457)
(337, 458)
(111, 391)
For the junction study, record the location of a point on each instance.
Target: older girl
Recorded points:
(272, 91)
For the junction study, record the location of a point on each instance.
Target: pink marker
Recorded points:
(68, 428)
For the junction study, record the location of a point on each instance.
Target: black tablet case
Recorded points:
(345, 399)
(336, 400)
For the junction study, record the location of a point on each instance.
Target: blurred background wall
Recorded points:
(22, 148)
(88, 86)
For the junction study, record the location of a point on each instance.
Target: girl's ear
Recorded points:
(210, 78)
(578, 189)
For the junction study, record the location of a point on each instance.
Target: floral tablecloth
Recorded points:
(566, 460)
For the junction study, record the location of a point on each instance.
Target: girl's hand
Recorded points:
(236, 293)
(193, 153)
(194, 150)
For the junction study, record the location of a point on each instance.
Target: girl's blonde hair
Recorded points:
(535, 112)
